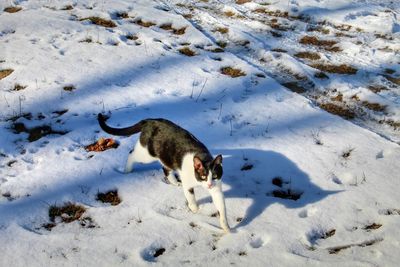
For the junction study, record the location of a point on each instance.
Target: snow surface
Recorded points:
(252, 120)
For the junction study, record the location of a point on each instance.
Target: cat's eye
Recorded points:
(203, 177)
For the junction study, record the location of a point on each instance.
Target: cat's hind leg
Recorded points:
(139, 154)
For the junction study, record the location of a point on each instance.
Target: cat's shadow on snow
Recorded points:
(250, 173)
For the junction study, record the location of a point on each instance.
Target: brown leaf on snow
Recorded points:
(102, 144)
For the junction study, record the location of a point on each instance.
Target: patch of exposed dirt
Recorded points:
(339, 69)
(341, 111)
(187, 51)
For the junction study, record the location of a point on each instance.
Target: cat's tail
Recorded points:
(119, 131)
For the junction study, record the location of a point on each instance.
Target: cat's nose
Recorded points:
(209, 185)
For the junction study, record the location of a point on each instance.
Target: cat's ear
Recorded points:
(198, 165)
(218, 160)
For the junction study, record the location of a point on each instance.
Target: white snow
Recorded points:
(345, 172)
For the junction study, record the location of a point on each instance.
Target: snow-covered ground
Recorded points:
(302, 186)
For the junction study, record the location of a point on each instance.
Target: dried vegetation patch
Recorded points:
(187, 51)
(101, 22)
(35, 133)
(12, 9)
(308, 55)
(234, 73)
(5, 72)
(339, 69)
(143, 23)
(328, 45)
(341, 111)
(111, 197)
(69, 212)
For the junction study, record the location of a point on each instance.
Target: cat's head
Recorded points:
(209, 172)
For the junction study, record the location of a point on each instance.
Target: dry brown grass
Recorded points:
(308, 55)
(321, 75)
(36, 132)
(131, 37)
(166, 26)
(392, 123)
(272, 13)
(187, 51)
(5, 72)
(377, 88)
(67, 7)
(295, 87)
(393, 79)
(101, 22)
(339, 69)
(144, 23)
(374, 106)
(341, 111)
(241, 2)
(328, 45)
(229, 13)
(179, 31)
(12, 9)
(318, 29)
(69, 212)
(234, 73)
(222, 30)
(109, 197)
(18, 87)
(222, 44)
(122, 15)
(69, 88)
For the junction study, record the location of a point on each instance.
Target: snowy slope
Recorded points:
(66, 69)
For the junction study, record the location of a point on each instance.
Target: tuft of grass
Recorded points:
(12, 9)
(221, 44)
(122, 15)
(392, 123)
(339, 69)
(131, 37)
(338, 110)
(166, 26)
(111, 197)
(241, 2)
(144, 23)
(5, 72)
(179, 31)
(308, 55)
(393, 79)
(35, 133)
(377, 88)
(18, 87)
(372, 226)
(347, 153)
(325, 44)
(295, 87)
(222, 30)
(67, 7)
(101, 22)
(321, 75)
(69, 212)
(187, 51)
(374, 106)
(234, 73)
(69, 88)
(229, 13)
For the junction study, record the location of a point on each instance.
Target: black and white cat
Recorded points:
(179, 152)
